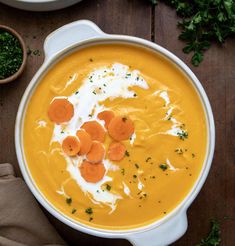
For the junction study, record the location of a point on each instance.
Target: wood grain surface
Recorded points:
(216, 73)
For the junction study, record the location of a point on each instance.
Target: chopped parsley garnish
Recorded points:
(127, 153)
(104, 85)
(183, 134)
(76, 92)
(179, 151)
(136, 165)
(62, 132)
(213, 239)
(74, 210)
(89, 211)
(94, 92)
(69, 200)
(37, 52)
(11, 54)
(108, 187)
(123, 171)
(163, 167)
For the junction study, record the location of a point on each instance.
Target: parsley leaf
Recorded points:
(203, 22)
(213, 239)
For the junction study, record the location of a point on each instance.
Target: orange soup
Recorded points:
(115, 136)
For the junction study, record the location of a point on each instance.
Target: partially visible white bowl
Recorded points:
(40, 5)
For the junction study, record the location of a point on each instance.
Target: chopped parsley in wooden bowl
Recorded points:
(12, 54)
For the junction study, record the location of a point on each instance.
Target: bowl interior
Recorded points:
(121, 40)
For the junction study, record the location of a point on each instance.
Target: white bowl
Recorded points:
(39, 5)
(59, 44)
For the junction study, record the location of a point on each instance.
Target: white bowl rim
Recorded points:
(186, 202)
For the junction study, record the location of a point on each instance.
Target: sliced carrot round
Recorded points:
(116, 151)
(107, 116)
(95, 130)
(92, 173)
(60, 110)
(121, 128)
(96, 153)
(85, 141)
(71, 145)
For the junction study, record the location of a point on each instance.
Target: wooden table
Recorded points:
(216, 73)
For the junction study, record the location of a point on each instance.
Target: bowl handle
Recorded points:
(70, 34)
(163, 235)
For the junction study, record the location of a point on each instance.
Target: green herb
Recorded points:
(123, 171)
(36, 52)
(69, 200)
(11, 54)
(74, 210)
(89, 211)
(127, 153)
(148, 159)
(213, 239)
(136, 165)
(163, 166)
(182, 134)
(203, 22)
(94, 92)
(76, 92)
(179, 151)
(108, 187)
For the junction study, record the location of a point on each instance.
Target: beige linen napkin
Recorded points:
(21, 220)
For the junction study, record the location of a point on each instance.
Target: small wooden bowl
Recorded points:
(23, 46)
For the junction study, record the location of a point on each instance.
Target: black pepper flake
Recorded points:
(124, 119)
(148, 159)
(108, 187)
(91, 60)
(74, 210)
(69, 200)
(127, 153)
(136, 165)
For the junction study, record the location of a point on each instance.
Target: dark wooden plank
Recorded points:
(113, 16)
(217, 75)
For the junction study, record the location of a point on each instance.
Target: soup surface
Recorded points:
(160, 140)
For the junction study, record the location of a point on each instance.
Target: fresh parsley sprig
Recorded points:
(213, 239)
(203, 22)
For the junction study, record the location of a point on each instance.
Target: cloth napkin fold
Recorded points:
(22, 223)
